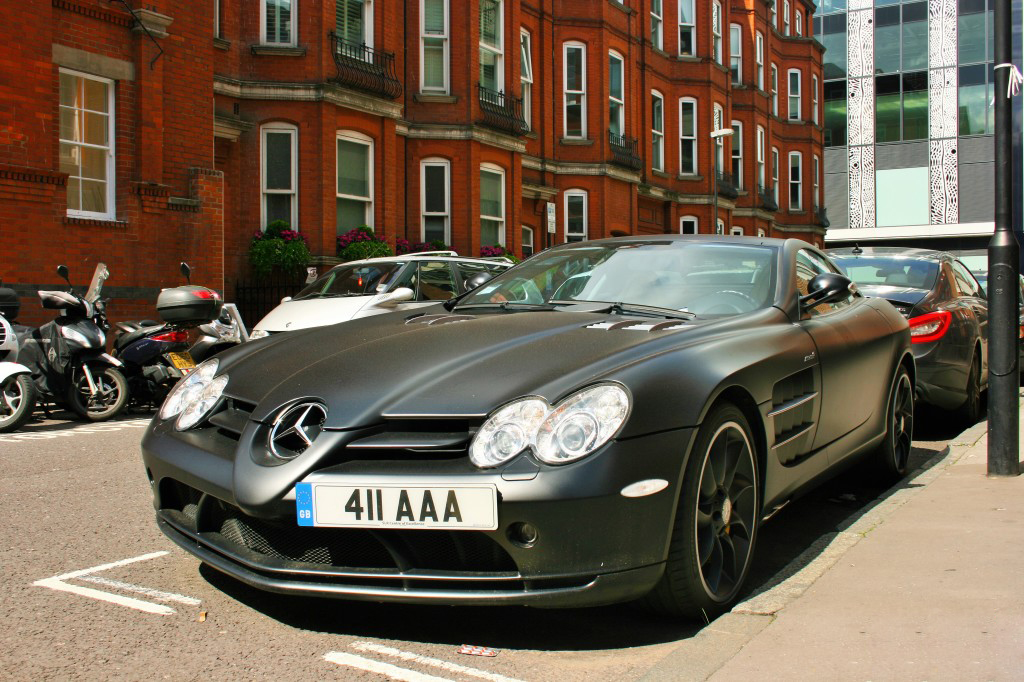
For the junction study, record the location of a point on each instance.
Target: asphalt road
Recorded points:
(92, 590)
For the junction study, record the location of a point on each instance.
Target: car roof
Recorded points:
(892, 252)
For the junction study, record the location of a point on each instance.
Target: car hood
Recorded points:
(436, 363)
(908, 295)
(313, 312)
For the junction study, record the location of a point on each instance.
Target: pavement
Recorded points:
(927, 584)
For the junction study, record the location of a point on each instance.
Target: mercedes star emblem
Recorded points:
(295, 429)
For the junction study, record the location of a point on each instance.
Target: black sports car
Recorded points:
(948, 315)
(607, 421)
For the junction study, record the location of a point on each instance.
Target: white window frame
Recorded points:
(366, 140)
(498, 52)
(293, 131)
(760, 148)
(657, 134)
(759, 59)
(721, 227)
(494, 168)
(775, 90)
(798, 182)
(816, 181)
(620, 101)
(264, 38)
(736, 231)
(814, 98)
(798, 23)
(775, 14)
(586, 208)
(775, 175)
(445, 42)
(437, 162)
(716, 31)
(367, 26)
(689, 219)
(684, 138)
(575, 45)
(760, 232)
(216, 19)
(688, 27)
(657, 23)
(736, 153)
(785, 17)
(736, 52)
(527, 243)
(526, 75)
(111, 154)
(794, 101)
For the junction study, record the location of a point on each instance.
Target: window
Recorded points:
(830, 31)
(687, 29)
(575, 215)
(975, 36)
(901, 107)
(796, 202)
(687, 136)
(736, 231)
(760, 158)
(526, 77)
(901, 63)
(434, 46)
(775, 90)
(785, 17)
(688, 224)
(527, 241)
(719, 144)
(798, 25)
(575, 88)
(355, 181)
(216, 19)
(492, 205)
(901, 38)
(775, 175)
(835, 113)
(736, 53)
(616, 105)
(774, 6)
(716, 31)
(760, 232)
(814, 98)
(737, 153)
(657, 131)
(435, 190)
(759, 60)
(720, 228)
(279, 173)
(492, 50)
(794, 95)
(276, 20)
(656, 14)
(816, 181)
(87, 144)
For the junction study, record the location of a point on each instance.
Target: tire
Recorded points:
(970, 412)
(892, 455)
(716, 521)
(17, 401)
(110, 400)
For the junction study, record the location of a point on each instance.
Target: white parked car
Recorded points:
(375, 286)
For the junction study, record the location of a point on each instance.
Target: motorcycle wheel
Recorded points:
(17, 400)
(111, 395)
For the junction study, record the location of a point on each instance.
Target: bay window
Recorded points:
(87, 144)
(354, 189)
(279, 174)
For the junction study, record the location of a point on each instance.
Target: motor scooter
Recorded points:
(17, 392)
(67, 356)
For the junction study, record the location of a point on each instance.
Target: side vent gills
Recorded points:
(794, 404)
(639, 325)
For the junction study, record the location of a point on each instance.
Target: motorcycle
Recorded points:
(17, 392)
(67, 356)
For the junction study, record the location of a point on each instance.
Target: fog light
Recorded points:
(523, 534)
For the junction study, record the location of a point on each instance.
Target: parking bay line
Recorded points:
(58, 582)
(433, 662)
(370, 665)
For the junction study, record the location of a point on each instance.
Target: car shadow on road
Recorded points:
(783, 540)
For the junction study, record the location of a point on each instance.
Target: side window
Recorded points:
(437, 282)
(467, 270)
(965, 281)
(809, 265)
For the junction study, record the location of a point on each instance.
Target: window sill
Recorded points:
(531, 135)
(435, 98)
(94, 222)
(221, 43)
(657, 50)
(619, 6)
(660, 174)
(278, 51)
(692, 59)
(690, 177)
(794, 211)
(576, 141)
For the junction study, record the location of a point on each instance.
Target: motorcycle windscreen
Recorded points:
(99, 276)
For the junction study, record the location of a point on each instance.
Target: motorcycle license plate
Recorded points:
(182, 360)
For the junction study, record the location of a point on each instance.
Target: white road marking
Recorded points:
(433, 662)
(369, 665)
(58, 582)
(70, 432)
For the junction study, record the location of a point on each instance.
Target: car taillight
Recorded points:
(929, 327)
(172, 337)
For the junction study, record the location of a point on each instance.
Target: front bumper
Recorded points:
(594, 546)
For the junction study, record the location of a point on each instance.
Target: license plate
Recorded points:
(182, 360)
(471, 507)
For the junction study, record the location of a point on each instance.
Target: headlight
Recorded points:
(258, 334)
(75, 335)
(195, 412)
(578, 426)
(189, 389)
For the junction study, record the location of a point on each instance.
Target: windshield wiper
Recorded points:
(627, 308)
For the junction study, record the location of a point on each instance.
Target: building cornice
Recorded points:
(580, 168)
(229, 127)
(307, 92)
(441, 131)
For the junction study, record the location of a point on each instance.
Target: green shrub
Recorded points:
(278, 248)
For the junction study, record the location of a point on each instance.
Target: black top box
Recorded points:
(188, 305)
(10, 304)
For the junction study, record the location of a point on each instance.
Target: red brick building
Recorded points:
(176, 133)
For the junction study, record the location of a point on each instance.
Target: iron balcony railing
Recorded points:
(821, 216)
(766, 197)
(502, 111)
(624, 151)
(364, 68)
(727, 185)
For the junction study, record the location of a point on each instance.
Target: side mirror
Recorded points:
(286, 299)
(828, 287)
(393, 298)
(477, 280)
(186, 272)
(62, 270)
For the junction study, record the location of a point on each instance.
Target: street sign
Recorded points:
(551, 217)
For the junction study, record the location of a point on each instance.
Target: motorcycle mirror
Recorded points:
(186, 272)
(63, 271)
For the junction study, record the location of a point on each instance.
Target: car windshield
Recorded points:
(707, 278)
(357, 279)
(888, 271)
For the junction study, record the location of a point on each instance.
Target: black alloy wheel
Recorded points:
(17, 400)
(110, 397)
(893, 454)
(970, 411)
(716, 521)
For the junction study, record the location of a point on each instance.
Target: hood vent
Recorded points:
(640, 325)
(440, 319)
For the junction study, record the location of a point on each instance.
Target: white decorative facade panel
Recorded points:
(862, 186)
(860, 111)
(942, 33)
(860, 44)
(942, 111)
(943, 182)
